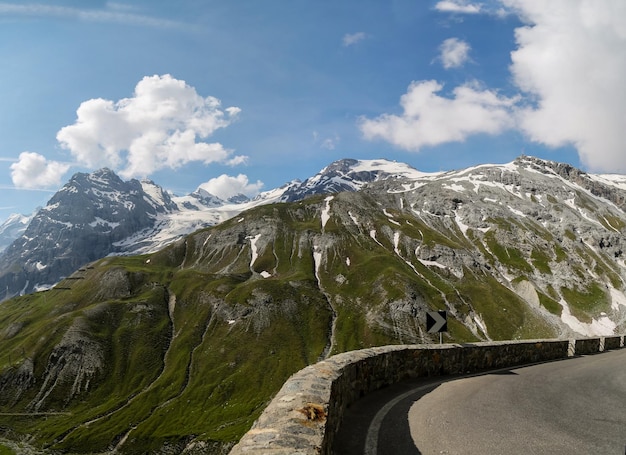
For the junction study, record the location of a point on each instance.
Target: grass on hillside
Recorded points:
(504, 313)
(550, 304)
(213, 381)
(585, 303)
(508, 256)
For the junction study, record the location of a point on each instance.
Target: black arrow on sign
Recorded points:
(436, 322)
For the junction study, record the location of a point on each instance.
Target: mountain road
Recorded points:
(574, 406)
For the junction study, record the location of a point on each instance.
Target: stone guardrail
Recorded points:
(305, 415)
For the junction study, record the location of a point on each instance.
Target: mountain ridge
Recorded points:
(154, 218)
(98, 214)
(179, 350)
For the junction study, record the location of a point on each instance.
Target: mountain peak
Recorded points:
(81, 181)
(563, 169)
(349, 175)
(238, 199)
(104, 172)
(342, 165)
(205, 198)
(82, 222)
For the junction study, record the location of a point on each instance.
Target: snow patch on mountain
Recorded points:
(13, 227)
(326, 211)
(617, 298)
(602, 326)
(255, 253)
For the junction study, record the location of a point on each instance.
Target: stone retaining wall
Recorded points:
(305, 415)
(613, 343)
(587, 346)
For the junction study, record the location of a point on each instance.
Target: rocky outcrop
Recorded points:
(578, 177)
(16, 381)
(72, 365)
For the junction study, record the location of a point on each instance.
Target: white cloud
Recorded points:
(430, 119)
(237, 160)
(115, 13)
(162, 126)
(569, 64)
(350, 39)
(454, 53)
(226, 186)
(571, 61)
(458, 6)
(32, 170)
(330, 143)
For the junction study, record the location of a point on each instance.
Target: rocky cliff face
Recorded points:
(551, 234)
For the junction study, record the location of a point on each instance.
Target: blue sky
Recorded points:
(246, 95)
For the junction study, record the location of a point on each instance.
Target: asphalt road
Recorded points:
(575, 406)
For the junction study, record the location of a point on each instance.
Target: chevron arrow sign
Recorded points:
(436, 322)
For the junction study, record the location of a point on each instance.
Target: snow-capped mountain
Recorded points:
(78, 225)
(201, 209)
(98, 214)
(12, 228)
(550, 219)
(349, 175)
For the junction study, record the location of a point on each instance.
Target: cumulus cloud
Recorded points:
(33, 170)
(226, 186)
(454, 53)
(458, 6)
(571, 62)
(163, 125)
(430, 119)
(351, 39)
